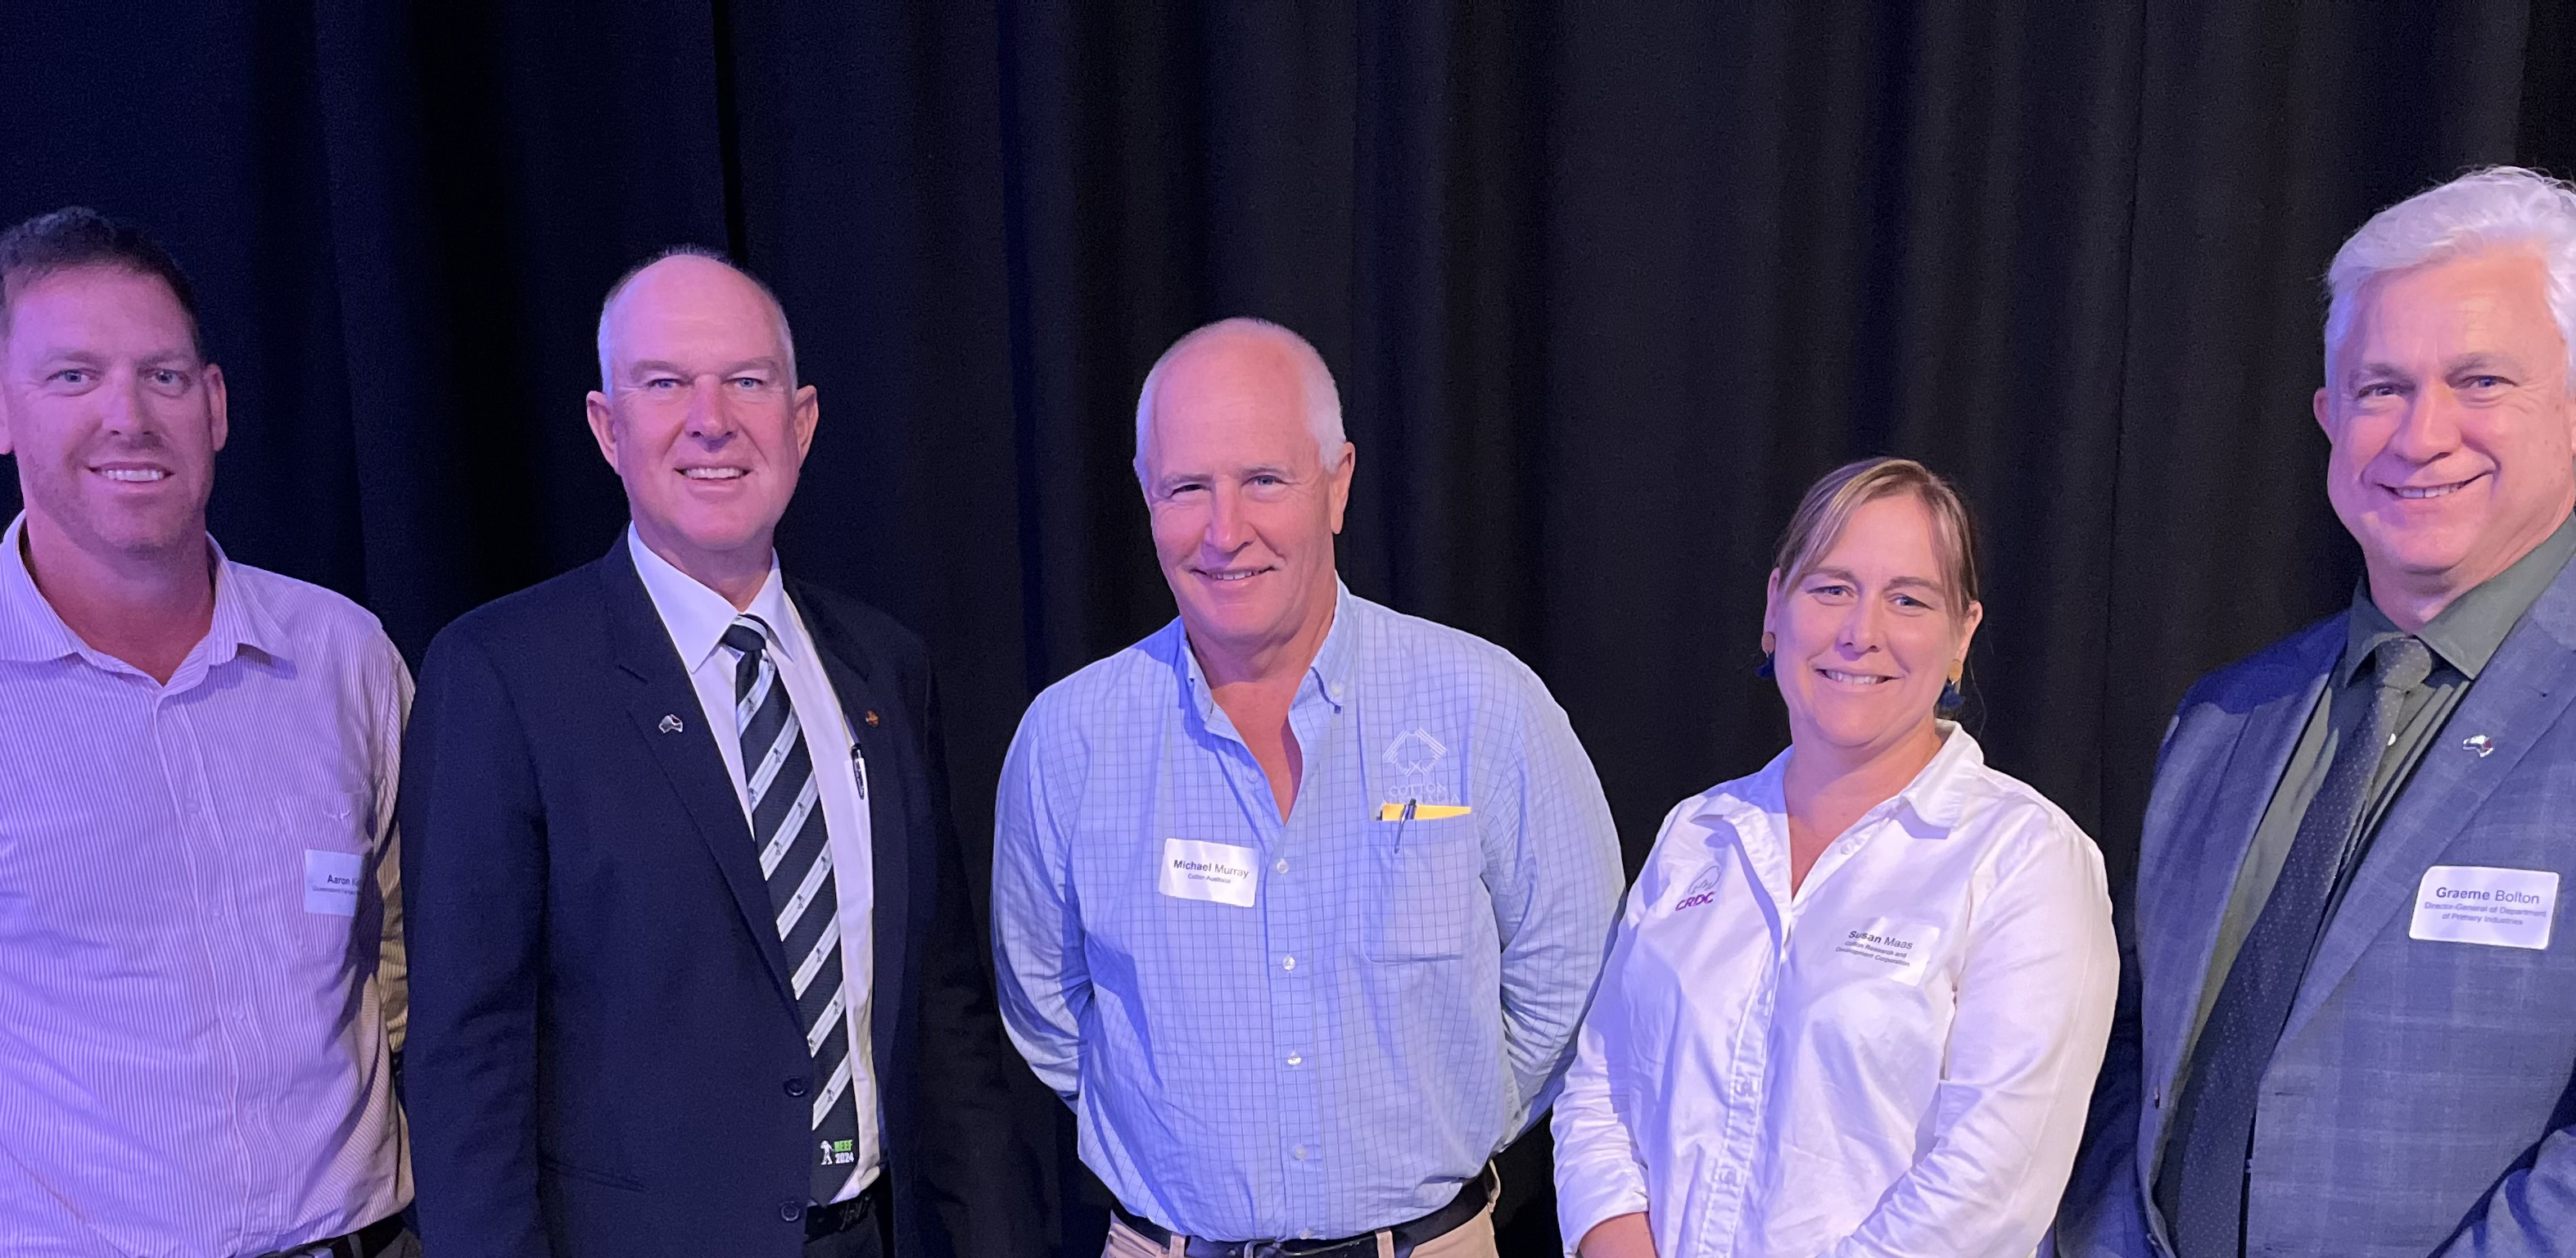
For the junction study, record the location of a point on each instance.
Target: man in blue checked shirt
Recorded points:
(1299, 901)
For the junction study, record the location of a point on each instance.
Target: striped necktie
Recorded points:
(796, 863)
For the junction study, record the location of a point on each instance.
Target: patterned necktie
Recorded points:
(796, 862)
(2201, 1185)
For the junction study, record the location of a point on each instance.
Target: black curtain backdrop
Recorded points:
(1605, 287)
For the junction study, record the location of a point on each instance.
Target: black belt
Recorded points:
(841, 1216)
(1470, 1202)
(366, 1242)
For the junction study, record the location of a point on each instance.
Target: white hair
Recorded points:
(1315, 385)
(777, 312)
(2496, 207)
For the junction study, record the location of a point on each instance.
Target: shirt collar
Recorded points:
(30, 629)
(697, 617)
(1328, 678)
(2473, 628)
(1936, 796)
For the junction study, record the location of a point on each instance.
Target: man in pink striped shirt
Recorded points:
(200, 947)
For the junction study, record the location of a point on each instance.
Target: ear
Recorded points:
(808, 412)
(2325, 421)
(1771, 603)
(1976, 615)
(1340, 484)
(218, 407)
(603, 426)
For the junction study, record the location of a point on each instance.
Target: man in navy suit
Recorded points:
(695, 970)
(2348, 1014)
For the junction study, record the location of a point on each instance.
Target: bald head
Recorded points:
(689, 283)
(1244, 359)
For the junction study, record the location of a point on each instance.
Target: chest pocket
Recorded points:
(1432, 872)
(334, 903)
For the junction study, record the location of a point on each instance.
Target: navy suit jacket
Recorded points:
(2419, 1101)
(604, 1054)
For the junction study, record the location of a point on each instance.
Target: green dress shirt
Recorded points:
(2463, 638)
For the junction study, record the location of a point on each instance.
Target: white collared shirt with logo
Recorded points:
(1896, 1059)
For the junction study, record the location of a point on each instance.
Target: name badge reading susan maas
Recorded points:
(1194, 869)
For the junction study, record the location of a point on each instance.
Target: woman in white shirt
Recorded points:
(1857, 1000)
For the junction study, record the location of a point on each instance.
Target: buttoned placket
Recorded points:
(1289, 920)
(221, 926)
(1749, 1057)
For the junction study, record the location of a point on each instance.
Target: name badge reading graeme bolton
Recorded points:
(1197, 870)
(2479, 904)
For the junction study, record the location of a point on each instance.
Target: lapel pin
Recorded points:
(2478, 743)
(872, 717)
(670, 724)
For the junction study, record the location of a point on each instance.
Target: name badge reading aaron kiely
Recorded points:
(2479, 904)
(1194, 869)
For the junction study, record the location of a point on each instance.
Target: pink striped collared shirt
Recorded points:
(201, 973)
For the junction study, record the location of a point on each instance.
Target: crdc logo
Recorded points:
(1702, 890)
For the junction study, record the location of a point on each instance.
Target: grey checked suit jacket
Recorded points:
(2419, 1101)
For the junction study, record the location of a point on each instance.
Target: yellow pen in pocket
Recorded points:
(1411, 810)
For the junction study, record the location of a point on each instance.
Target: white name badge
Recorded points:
(331, 882)
(1905, 948)
(2478, 904)
(1197, 870)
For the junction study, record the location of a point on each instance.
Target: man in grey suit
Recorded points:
(2347, 1022)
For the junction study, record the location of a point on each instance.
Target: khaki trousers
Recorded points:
(1471, 1239)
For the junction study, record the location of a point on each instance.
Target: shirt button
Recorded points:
(795, 1087)
(1298, 1153)
(1282, 866)
(1296, 1059)
(790, 1211)
(1288, 963)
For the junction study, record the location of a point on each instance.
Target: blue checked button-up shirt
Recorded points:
(1339, 1025)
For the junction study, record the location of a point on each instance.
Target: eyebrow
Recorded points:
(1845, 574)
(650, 366)
(2475, 360)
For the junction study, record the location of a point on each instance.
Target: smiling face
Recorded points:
(1244, 511)
(2454, 437)
(701, 419)
(112, 416)
(1866, 637)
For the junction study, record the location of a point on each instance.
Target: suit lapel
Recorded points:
(2200, 850)
(668, 717)
(880, 740)
(2521, 693)
(2209, 847)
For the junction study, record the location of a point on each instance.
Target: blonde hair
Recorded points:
(1830, 503)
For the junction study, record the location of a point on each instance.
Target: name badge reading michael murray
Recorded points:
(1194, 869)
(2479, 904)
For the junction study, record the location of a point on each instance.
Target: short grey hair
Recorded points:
(777, 311)
(1315, 380)
(2494, 207)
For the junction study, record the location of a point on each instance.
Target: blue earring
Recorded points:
(1764, 670)
(1950, 696)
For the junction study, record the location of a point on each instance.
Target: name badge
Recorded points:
(1905, 948)
(2479, 904)
(1194, 869)
(331, 882)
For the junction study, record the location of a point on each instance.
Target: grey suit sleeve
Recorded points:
(2102, 1216)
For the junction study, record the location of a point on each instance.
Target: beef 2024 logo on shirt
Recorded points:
(1702, 890)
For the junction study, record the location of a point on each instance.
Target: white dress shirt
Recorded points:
(201, 965)
(1894, 1060)
(696, 618)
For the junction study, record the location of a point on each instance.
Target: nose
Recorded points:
(1227, 530)
(2430, 427)
(121, 408)
(708, 419)
(1860, 630)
